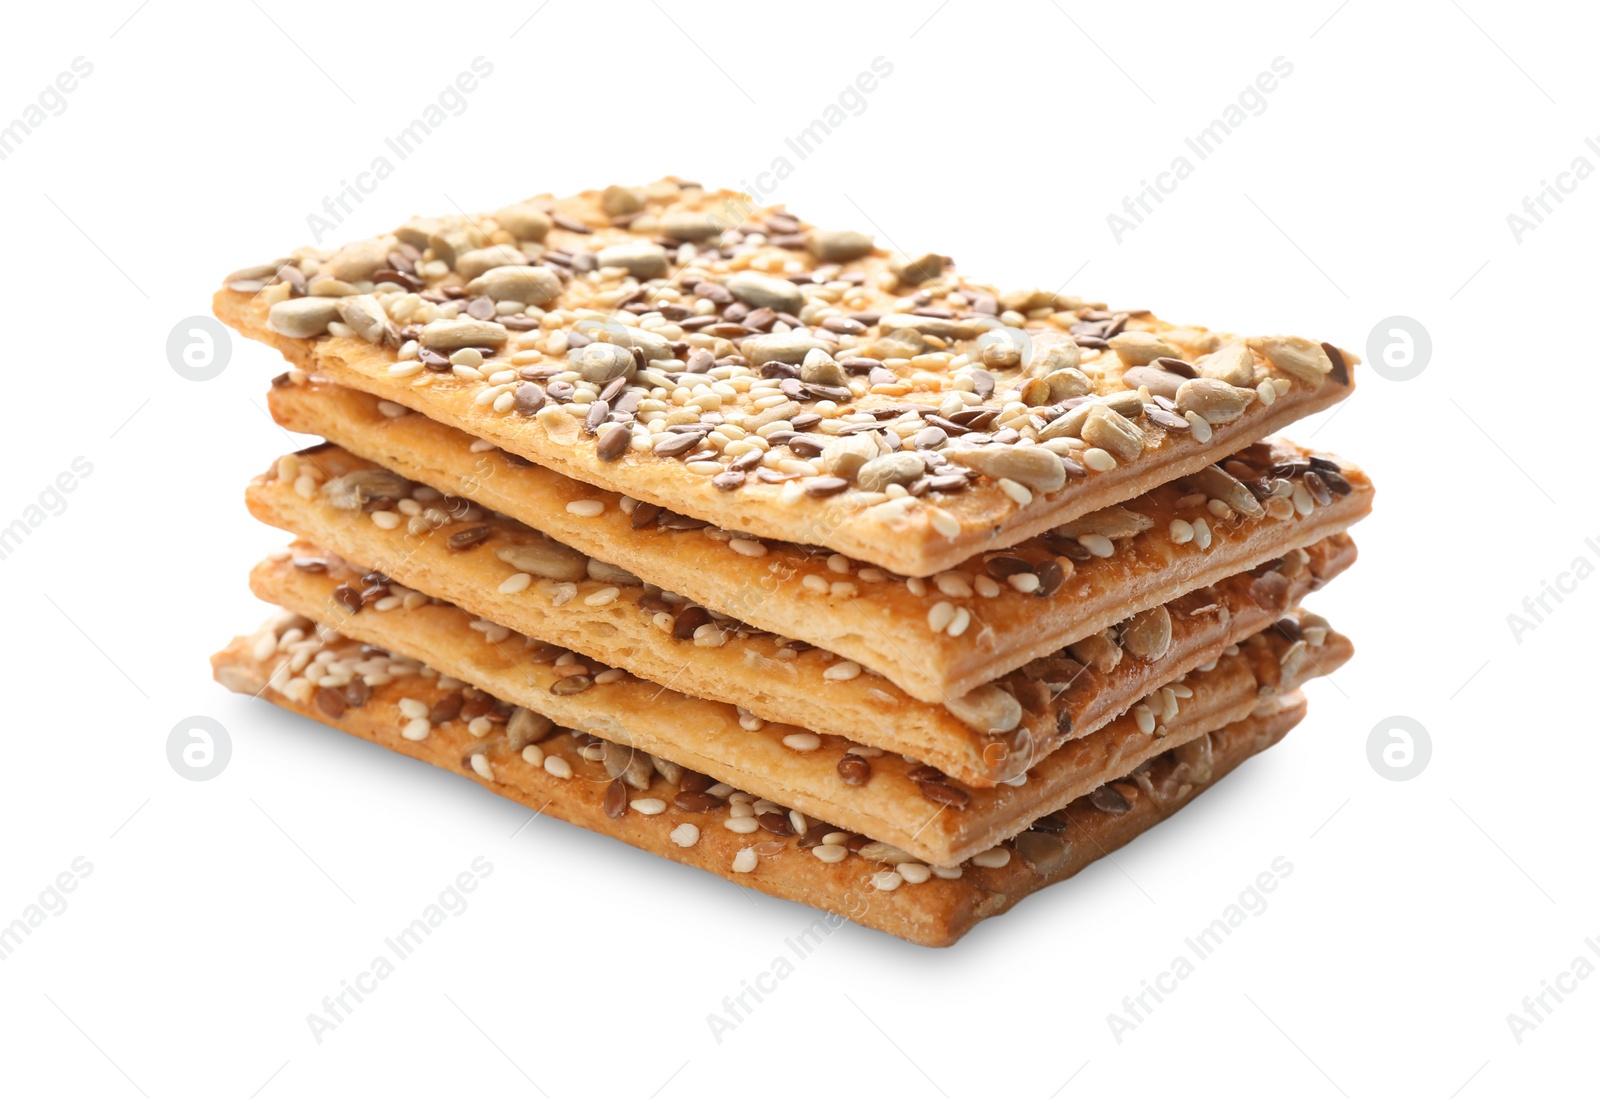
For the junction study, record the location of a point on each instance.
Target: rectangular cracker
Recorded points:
(994, 375)
(336, 499)
(902, 802)
(802, 592)
(931, 907)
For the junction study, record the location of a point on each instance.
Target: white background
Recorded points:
(1377, 182)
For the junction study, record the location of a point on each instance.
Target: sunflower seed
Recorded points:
(1140, 348)
(838, 245)
(1148, 634)
(1033, 466)
(642, 258)
(1113, 433)
(453, 335)
(303, 318)
(523, 221)
(551, 560)
(1300, 358)
(520, 283)
(764, 291)
(987, 709)
(899, 468)
(1215, 401)
(1231, 363)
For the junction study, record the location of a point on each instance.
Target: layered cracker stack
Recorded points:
(831, 571)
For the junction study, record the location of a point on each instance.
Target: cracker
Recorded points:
(981, 376)
(925, 906)
(335, 499)
(902, 802)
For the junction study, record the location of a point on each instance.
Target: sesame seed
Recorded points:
(994, 858)
(843, 670)
(986, 586)
(803, 742)
(953, 584)
(958, 624)
(744, 861)
(413, 708)
(417, 729)
(517, 581)
(944, 523)
(742, 825)
(533, 755)
(1024, 582)
(914, 872)
(1303, 503)
(748, 547)
(813, 582)
(1181, 532)
(480, 764)
(1099, 460)
(886, 880)
(940, 615)
(948, 873)
(1145, 719)
(1097, 544)
(829, 852)
(1018, 492)
(1202, 534)
(602, 598)
(386, 520)
(1198, 426)
(557, 766)
(586, 508)
(1266, 392)
(650, 807)
(685, 835)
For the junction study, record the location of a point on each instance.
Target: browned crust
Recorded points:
(906, 543)
(1144, 571)
(932, 913)
(707, 736)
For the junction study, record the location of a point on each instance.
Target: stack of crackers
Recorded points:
(831, 571)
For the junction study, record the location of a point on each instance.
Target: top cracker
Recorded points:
(732, 363)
